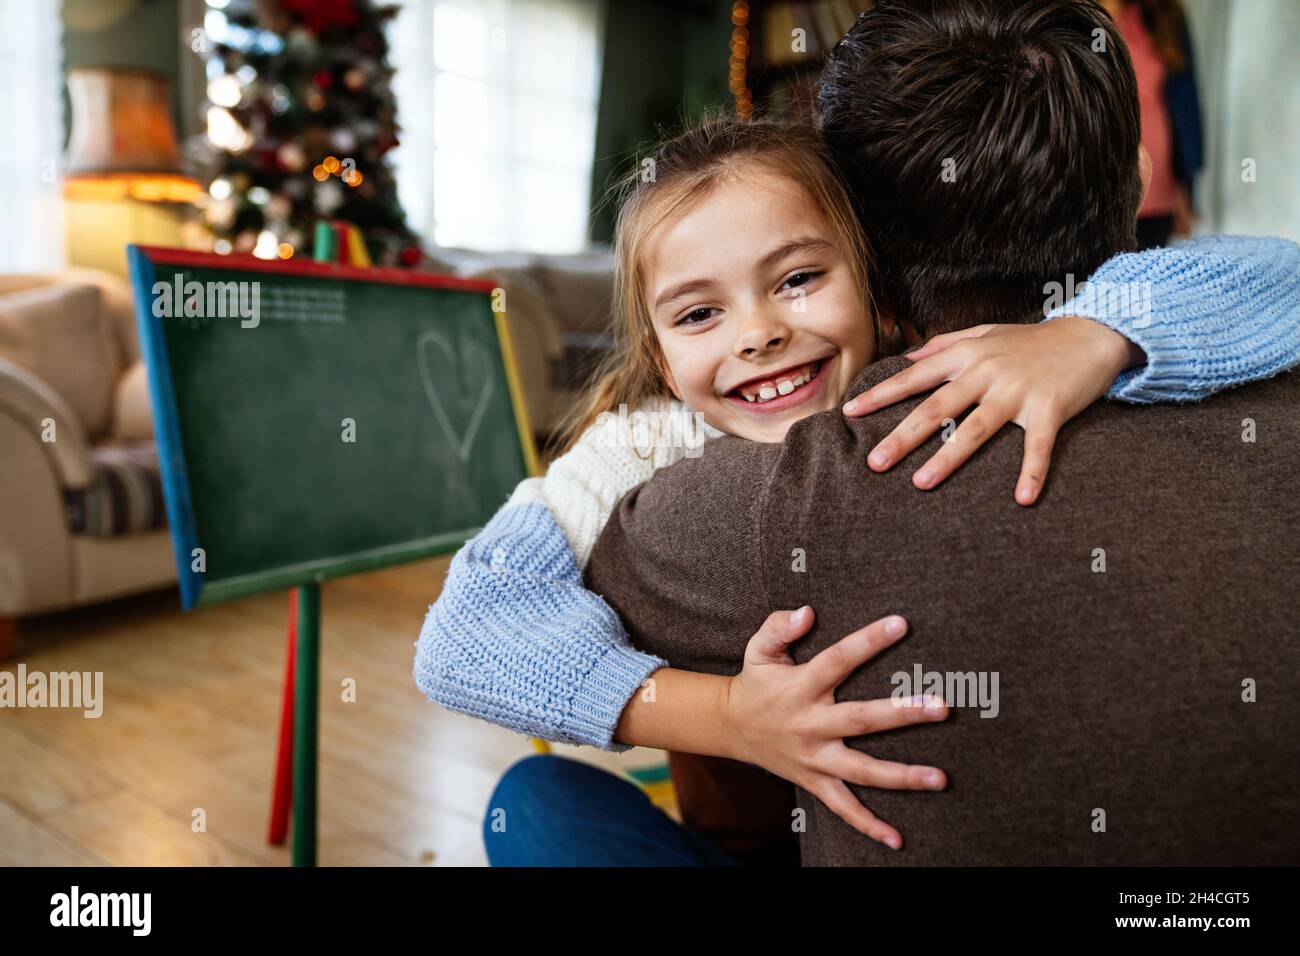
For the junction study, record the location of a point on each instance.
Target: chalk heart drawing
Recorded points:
(433, 352)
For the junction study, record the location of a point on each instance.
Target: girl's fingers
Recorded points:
(857, 717)
(979, 426)
(941, 342)
(920, 377)
(782, 628)
(1039, 440)
(923, 421)
(828, 669)
(866, 771)
(848, 808)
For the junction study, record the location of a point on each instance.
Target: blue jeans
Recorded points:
(553, 811)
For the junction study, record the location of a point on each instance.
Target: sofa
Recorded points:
(81, 516)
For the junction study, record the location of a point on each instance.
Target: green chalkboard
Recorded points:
(316, 420)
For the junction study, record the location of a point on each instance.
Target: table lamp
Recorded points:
(123, 181)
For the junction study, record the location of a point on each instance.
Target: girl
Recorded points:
(750, 216)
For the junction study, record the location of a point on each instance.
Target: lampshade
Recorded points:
(123, 143)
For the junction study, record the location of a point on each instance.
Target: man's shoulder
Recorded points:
(827, 442)
(1106, 428)
(725, 469)
(1110, 457)
(1182, 437)
(706, 502)
(683, 549)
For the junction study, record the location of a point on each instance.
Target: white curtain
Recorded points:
(497, 103)
(31, 109)
(1246, 55)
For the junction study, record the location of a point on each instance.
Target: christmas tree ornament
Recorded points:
(279, 207)
(225, 91)
(329, 197)
(343, 139)
(220, 213)
(292, 157)
(301, 44)
(280, 99)
(266, 246)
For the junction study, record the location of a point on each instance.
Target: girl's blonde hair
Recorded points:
(682, 171)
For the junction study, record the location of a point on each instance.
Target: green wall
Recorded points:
(664, 62)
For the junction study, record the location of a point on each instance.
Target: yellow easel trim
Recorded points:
(524, 427)
(516, 387)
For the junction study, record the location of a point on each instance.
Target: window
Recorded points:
(32, 106)
(497, 104)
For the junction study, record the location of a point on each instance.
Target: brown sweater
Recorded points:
(1118, 691)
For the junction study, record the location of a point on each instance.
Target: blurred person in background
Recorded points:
(1160, 45)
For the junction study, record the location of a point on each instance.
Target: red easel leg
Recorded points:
(282, 798)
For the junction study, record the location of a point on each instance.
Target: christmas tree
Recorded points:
(300, 117)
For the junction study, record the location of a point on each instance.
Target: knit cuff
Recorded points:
(1173, 363)
(599, 700)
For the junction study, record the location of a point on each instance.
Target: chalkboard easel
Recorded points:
(318, 419)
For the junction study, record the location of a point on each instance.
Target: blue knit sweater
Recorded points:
(516, 639)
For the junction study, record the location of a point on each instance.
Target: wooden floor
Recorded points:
(190, 716)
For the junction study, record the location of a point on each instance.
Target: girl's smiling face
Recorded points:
(756, 310)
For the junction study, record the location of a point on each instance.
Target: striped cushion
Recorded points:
(124, 495)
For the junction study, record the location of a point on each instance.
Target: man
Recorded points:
(1118, 659)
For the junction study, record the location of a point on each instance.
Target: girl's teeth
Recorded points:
(783, 387)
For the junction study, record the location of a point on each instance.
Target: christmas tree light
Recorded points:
(300, 119)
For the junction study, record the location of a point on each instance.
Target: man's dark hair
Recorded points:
(990, 146)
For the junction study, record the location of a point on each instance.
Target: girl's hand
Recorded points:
(783, 717)
(1038, 376)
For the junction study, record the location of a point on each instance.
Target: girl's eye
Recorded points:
(697, 316)
(798, 279)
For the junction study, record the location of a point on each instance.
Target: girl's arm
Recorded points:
(514, 638)
(1208, 314)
